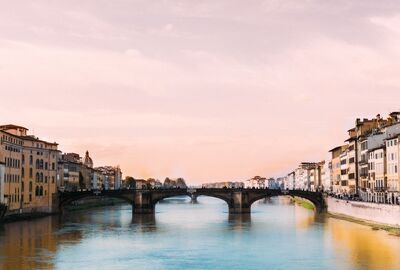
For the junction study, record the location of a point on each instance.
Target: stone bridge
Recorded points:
(239, 200)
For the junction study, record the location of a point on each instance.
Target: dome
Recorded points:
(88, 160)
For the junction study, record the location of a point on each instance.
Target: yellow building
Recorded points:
(336, 167)
(30, 170)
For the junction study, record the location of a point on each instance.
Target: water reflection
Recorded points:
(182, 235)
(239, 222)
(366, 248)
(144, 223)
(33, 244)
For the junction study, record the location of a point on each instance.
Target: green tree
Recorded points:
(130, 182)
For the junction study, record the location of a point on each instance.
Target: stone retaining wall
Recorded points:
(379, 213)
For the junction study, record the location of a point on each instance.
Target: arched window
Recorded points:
(30, 186)
(30, 160)
(37, 177)
(30, 173)
(37, 164)
(41, 164)
(37, 191)
(23, 159)
(23, 172)
(41, 177)
(41, 191)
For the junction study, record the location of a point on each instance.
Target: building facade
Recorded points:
(30, 170)
(392, 163)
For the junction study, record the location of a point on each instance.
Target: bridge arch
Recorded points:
(68, 198)
(216, 196)
(160, 198)
(315, 198)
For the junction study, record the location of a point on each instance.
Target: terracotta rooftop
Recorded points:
(11, 126)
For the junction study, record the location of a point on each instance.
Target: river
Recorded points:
(182, 235)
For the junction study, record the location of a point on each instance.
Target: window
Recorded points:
(30, 160)
(22, 172)
(30, 173)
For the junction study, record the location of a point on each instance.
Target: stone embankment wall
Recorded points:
(379, 213)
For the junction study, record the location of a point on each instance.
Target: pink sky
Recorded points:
(206, 90)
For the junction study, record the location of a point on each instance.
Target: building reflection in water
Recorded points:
(364, 247)
(32, 244)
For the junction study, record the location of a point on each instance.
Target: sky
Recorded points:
(205, 90)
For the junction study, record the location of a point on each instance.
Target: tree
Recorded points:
(130, 182)
(180, 182)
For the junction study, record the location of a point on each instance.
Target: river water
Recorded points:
(182, 235)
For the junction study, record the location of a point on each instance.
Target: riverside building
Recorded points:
(30, 169)
(392, 163)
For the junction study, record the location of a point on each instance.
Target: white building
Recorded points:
(255, 182)
(372, 141)
(290, 181)
(326, 175)
(392, 163)
(272, 183)
(377, 168)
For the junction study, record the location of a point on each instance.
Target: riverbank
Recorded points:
(25, 216)
(392, 230)
(378, 216)
(303, 203)
(77, 206)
